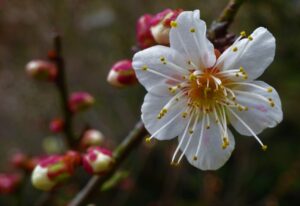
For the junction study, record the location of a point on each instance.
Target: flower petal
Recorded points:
(159, 67)
(189, 37)
(260, 114)
(254, 54)
(211, 155)
(152, 105)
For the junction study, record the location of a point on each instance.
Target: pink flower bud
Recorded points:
(80, 101)
(122, 74)
(97, 160)
(143, 33)
(9, 182)
(51, 171)
(160, 25)
(41, 70)
(91, 137)
(56, 125)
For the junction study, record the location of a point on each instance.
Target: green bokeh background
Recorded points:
(98, 33)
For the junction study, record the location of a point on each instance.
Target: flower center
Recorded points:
(206, 89)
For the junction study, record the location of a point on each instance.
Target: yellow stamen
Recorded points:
(264, 147)
(193, 30)
(173, 24)
(243, 34)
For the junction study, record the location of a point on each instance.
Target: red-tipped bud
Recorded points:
(80, 101)
(143, 33)
(9, 183)
(56, 125)
(160, 25)
(122, 74)
(41, 70)
(51, 171)
(97, 160)
(92, 137)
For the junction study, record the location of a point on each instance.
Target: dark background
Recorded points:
(96, 33)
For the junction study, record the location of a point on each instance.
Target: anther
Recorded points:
(195, 158)
(192, 30)
(250, 38)
(191, 131)
(269, 89)
(172, 90)
(193, 77)
(234, 49)
(144, 68)
(148, 140)
(264, 147)
(173, 24)
(184, 114)
(243, 34)
(163, 60)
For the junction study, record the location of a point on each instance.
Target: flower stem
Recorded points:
(63, 91)
(119, 154)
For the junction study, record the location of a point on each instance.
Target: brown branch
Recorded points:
(120, 153)
(63, 90)
(220, 26)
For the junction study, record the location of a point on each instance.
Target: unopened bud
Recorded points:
(160, 25)
(80, 101)
(122, 74)
(92, 137)
(9, 182)
(41, 70)
(51, 171)
(143, 33)
(97, 160)
(56, 125)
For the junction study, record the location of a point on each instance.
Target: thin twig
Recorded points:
(63, 91)
(220, 26)
(120, 153)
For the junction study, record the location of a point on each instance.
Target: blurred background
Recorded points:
(97, 33)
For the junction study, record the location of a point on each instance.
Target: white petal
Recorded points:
(211, 155)
(159, 76)
(253, 55)
(260, 114)
(152, 105)
(194, 44)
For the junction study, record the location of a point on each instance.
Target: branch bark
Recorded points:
(220, 26)
(120, 153)
(63, 91)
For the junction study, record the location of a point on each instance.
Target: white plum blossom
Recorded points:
(194, 95)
